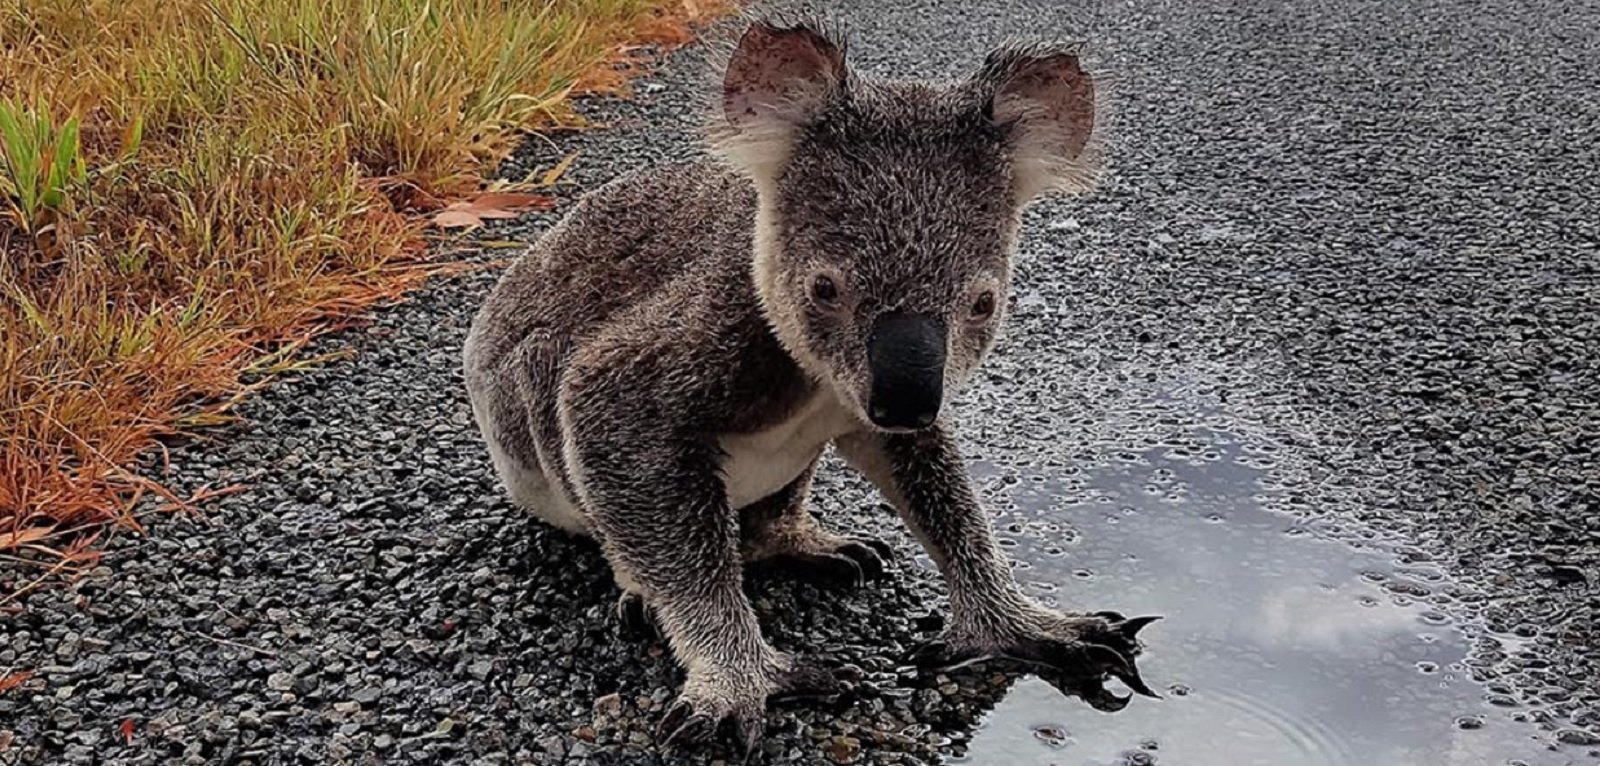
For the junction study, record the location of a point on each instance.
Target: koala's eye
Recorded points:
(983, 306)
(823, 289)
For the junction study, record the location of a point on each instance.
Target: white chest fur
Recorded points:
(761, 463)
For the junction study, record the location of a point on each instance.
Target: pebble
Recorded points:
(843, 749)
(1578, 737)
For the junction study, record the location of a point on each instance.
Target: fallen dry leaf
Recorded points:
(473, 212)
(455, 219)
(512, 201)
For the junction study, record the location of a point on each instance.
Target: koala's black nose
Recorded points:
(905, 356)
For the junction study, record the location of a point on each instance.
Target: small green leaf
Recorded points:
(21, 155)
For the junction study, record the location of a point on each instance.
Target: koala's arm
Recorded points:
(924, 478)
(651, 486)
(923, 475)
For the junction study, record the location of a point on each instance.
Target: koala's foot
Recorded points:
(848, 561)
(635, 618)
(736, 708)
(806, 548)
(1073, 651)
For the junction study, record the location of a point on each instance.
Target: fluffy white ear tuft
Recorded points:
(779, 78)
(1047, 100)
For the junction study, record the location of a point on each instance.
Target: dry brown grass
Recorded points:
(230, 178)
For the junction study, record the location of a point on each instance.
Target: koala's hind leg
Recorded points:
(778, 532)
(512, 404)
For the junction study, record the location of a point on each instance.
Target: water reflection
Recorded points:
(1278, 648)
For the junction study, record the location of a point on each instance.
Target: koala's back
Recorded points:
(641, 260)
(672, 228)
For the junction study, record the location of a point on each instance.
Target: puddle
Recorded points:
(1277, 647)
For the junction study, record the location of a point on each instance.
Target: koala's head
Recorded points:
(888, 209)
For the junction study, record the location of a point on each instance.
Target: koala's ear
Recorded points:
(779, 78)
(784, 73)
(1044, 98)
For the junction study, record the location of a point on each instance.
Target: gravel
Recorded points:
(1368, 230)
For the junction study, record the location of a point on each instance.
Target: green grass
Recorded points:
(188, 185)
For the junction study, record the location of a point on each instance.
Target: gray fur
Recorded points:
(656, 373)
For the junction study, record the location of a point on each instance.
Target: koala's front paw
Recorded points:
(847, 561)
(715, 704)
(699, 714)
(1073, 651)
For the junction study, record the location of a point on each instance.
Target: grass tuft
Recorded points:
(188, 187)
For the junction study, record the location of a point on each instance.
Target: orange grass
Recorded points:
(236, 177)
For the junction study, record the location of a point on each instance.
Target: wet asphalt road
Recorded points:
(1365, 232)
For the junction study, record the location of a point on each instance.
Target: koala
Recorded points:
(665, 367)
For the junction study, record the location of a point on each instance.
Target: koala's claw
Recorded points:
(635, 618)
(868, 554)
(829, 567)
(1075, 655)
(697, 718)
(684, 726)
(1089, 648)
(852, 563)
(748, 736)
(872, 554)
(1128, 628)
